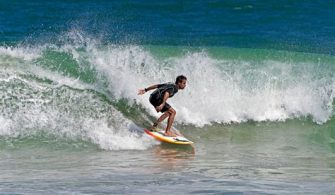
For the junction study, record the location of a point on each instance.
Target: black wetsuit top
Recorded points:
(156, 98)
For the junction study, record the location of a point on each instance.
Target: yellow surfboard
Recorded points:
(159, 135)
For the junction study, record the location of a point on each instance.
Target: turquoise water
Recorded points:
(258, 102)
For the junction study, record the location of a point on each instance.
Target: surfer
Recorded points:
(159, 97)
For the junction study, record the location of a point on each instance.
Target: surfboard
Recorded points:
(159, 135)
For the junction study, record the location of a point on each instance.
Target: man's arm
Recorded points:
(142, 91)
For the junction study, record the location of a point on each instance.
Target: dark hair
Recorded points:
(180, 78)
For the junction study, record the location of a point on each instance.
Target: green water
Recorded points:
(281, 158)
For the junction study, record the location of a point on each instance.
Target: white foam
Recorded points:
(5, 127)
(218, 90)
(32, 108)
(24, 53)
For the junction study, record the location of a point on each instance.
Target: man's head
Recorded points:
(181, 81)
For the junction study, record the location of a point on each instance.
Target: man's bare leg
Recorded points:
(172, 114)
(160, 119)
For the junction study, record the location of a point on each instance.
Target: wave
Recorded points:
(52, 88)
(32, 107)
(224, 85)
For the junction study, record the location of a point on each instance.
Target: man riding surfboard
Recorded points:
(159, 97)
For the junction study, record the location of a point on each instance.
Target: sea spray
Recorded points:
(220, 90)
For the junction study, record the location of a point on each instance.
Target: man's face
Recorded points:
(182, 84)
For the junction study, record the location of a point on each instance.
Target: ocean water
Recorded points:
(259, 102)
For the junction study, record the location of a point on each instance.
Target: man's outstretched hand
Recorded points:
(141, 92)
